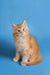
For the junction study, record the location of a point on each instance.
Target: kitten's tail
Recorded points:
(37, 61)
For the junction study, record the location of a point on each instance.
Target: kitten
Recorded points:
(27, 48)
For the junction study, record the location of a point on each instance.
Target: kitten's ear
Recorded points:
(13, 25)
(24, 23)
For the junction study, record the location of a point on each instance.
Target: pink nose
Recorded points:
(21, 32)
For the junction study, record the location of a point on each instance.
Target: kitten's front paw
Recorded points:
(15, 59)
(22, 63)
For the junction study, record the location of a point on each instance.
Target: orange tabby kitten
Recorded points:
(27, 48)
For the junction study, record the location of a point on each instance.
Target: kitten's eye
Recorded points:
(23, 29)
(18, 30)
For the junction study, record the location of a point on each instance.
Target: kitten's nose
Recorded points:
(21, 32)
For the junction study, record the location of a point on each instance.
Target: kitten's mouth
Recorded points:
(22, 34)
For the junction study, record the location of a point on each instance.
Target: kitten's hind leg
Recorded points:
(17, 57)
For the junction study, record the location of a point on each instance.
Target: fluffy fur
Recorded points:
(27, 48)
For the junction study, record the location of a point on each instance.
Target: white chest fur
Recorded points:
(22, 44)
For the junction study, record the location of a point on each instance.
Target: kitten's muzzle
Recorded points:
(21, 33)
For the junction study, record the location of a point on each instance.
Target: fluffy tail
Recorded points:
(37, 61)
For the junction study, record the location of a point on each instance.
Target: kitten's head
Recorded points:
(20, 30)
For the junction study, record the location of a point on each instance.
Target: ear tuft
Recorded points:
(24, 23)
(13, 25)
